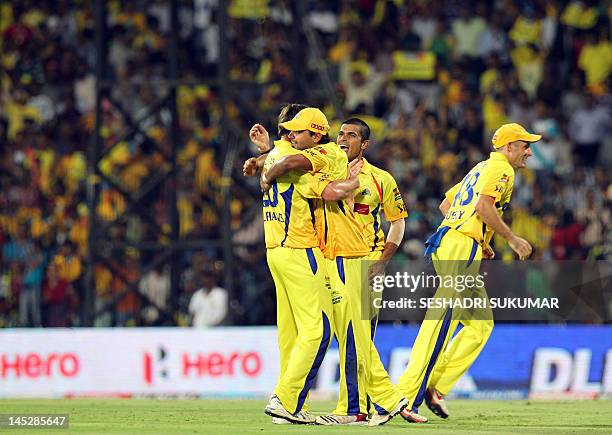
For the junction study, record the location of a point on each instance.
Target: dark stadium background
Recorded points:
(124, 126)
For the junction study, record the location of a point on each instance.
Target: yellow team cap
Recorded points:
(509, 133)
(310, 118)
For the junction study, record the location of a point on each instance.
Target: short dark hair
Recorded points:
(364, 129)
(287, 113)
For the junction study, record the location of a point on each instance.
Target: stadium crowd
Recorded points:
(434, 79)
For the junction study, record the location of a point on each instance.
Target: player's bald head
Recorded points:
(287, 113)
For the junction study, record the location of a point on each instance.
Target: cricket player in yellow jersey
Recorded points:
(472, 211)
(296, 263)
(353, 239)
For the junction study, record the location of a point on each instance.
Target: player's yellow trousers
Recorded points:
(362, 374)
(434, 362)
(303, 318)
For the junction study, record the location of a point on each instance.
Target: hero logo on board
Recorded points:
(34, 365)
(196, 365)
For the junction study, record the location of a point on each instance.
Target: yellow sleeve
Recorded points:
(450, 194)
(393, 203)
(494, 181)
(327, 166)
(318, 158)
(312, 186)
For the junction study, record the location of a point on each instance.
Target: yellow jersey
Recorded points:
(289, 205)
(357, 232)
(493, 177)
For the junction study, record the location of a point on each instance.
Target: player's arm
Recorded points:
(395, 212)
(253, 165)
(449, 196)
(444, 206)
(340, 189)
(312, 159)
(260, 137)
(283, 166)
(286, 164)
(486, 210)
(394, 239)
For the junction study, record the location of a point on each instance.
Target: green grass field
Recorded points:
(132, 416)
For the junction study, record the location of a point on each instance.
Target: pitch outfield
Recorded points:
(103, 416)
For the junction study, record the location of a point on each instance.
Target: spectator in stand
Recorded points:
(566, 238)
(19, 248)
(595, 221)
(30, 299)
(596, 57)
(209, 304)
(361, 85)
(58, 299)
(156, 286)
(467, 30)
(588, 128)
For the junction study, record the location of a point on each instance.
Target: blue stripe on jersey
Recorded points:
(473, 253)
(373, 324)
(341, 207)
(432, 361)
(311, 207)
(340, 266)
(316, 363)
(325, 219)
(287, 195)
(376, 226)
(350, 370)
(312, 260)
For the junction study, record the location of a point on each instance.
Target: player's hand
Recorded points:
(260, 137)
(264, 183)
(354, 167)
(250, 167)
(377, 269)
(520, 246)
(488, 253)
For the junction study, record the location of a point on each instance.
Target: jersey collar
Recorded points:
(498, 156)
(366, 168)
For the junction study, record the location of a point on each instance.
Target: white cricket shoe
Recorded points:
(278, 420)
(380, 419)
(275, 408)
(338, 420)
